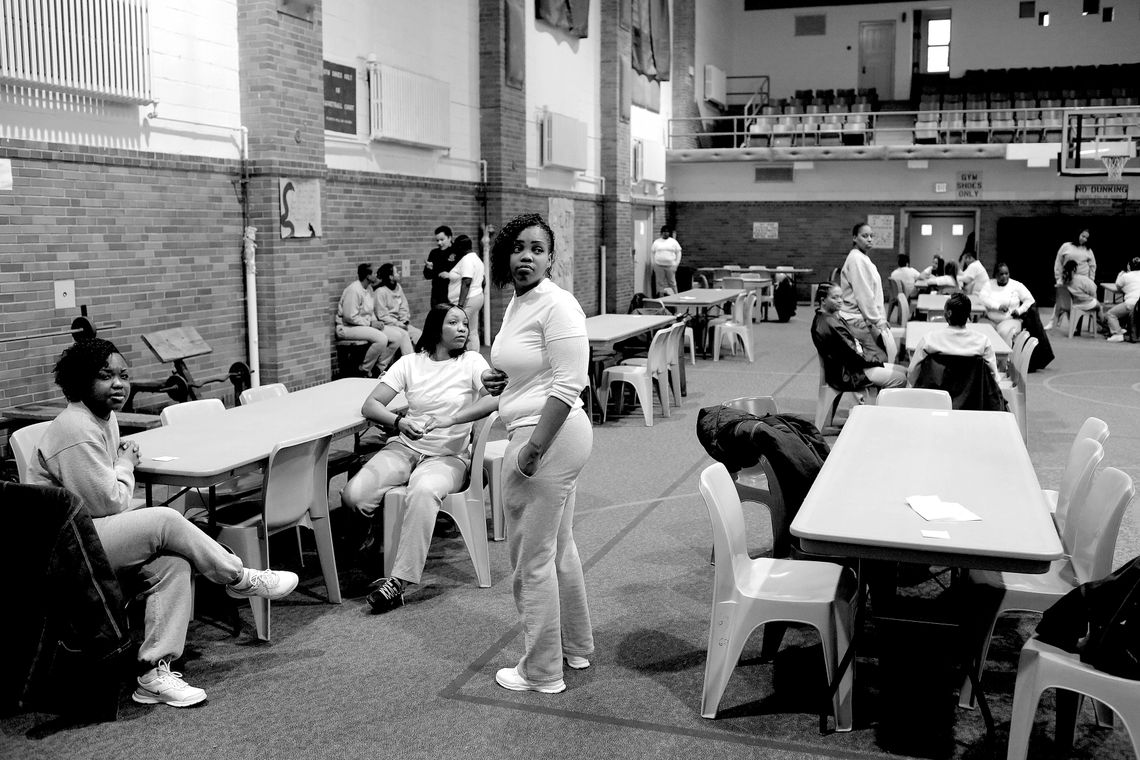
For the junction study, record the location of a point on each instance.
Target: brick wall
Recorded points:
(151, 241)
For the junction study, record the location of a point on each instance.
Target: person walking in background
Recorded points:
(540, 360)
(666, 256)
(1078, 252)
(1128, 283)
(356, 319)
(465, 288)
(152, 550)
(439, 261)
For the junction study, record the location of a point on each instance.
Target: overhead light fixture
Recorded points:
(1090, 6)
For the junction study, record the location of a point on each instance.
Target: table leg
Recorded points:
(149, 495)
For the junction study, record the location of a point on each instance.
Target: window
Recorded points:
(938, 45)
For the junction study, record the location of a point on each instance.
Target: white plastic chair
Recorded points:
(748, 593)
(23, 442)
(1094, 428)
(262, 392)
(739, 326)
(1085, 455)
(493, 452)
(1078, 315)
(1015, 386)
(293, 493)
(673, 359)
(915, 398)
(759, 483)
(827, 399)
(1096, 525)
(642, 378)
(466, 508)
(1042, 666)
(190, 410)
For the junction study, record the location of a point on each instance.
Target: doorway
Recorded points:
(877, 57)
(642, 239)
(945, 233)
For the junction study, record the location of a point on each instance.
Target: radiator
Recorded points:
(563, 142)
(97, 48)
(409, 108)
(653, 161)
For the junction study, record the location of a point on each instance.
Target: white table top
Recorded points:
(701, 297)
(606, 329)
(781, 269)
(240, 439)
(937, 302)
(857, 505)
(915, 331)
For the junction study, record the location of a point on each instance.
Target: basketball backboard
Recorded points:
(1098, 141)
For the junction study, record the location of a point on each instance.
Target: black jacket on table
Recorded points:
(843, 363)
(66, 624)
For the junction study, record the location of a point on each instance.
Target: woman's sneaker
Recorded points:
(163, 686)
(510, 678)
(1116, 338)
(577, 663)
(268, 584)
(388, 595)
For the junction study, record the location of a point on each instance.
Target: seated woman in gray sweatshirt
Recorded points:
(151, 549)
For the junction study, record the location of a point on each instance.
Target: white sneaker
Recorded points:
(510, 678)
(1048, 325)
(269, 584)
(163, 686)
(1118, 338)
(577, 663)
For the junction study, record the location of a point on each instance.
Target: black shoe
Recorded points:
(388, 595)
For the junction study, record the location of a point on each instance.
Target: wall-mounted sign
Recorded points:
(340, 98)
(969, 185)
(300, 208)
(883, 225)
(765, 230)
(940, 187)
(1101, 191)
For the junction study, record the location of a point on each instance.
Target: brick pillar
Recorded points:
(502, 125)
(282, 106)
(684, 60)
(617, 229)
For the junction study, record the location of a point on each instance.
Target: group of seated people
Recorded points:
(967, 275)
(374, 308)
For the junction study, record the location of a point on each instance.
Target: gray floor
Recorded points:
(337, 682)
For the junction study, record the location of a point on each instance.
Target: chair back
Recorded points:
(915, 398)
(760, 406)
(191, 410)
(727, 519)
(1018, 345)
(296, 481)
(262, 392)
(480, 434)
(967, 379)
(657, 358)
(1094, 428)
(733, 282)
(673, 344)
(1023, 360)
(1096, 524)
(1063, 301)
(24, 442)
(904, 309)
(891, 294)
(1085, 455)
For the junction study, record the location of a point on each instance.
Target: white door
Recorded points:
(942, 234)
(642, 238)
(877, 57)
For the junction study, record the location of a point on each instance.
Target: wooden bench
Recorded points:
(349, 355)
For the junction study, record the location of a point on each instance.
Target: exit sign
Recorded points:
(940, 187)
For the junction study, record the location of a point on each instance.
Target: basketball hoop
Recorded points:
(1114, 165)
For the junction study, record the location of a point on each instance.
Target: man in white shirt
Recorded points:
(1128, 283)
(974, 276)
(666, 255)
(906, 274)
(356, 318)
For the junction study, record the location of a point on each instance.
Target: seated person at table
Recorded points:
(1005, 301)
(152, 550)
(973, 277)
(936, 269)
(1082, 289)
(846, 363)
(1128, 283)
(945, 282)
(392, 310)
(907, 274)
(955, 340)
(439, 380)
(356, 319)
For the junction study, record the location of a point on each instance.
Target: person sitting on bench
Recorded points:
(356, 318)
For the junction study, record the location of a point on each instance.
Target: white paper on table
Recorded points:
(163, 459)
(932, 508)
